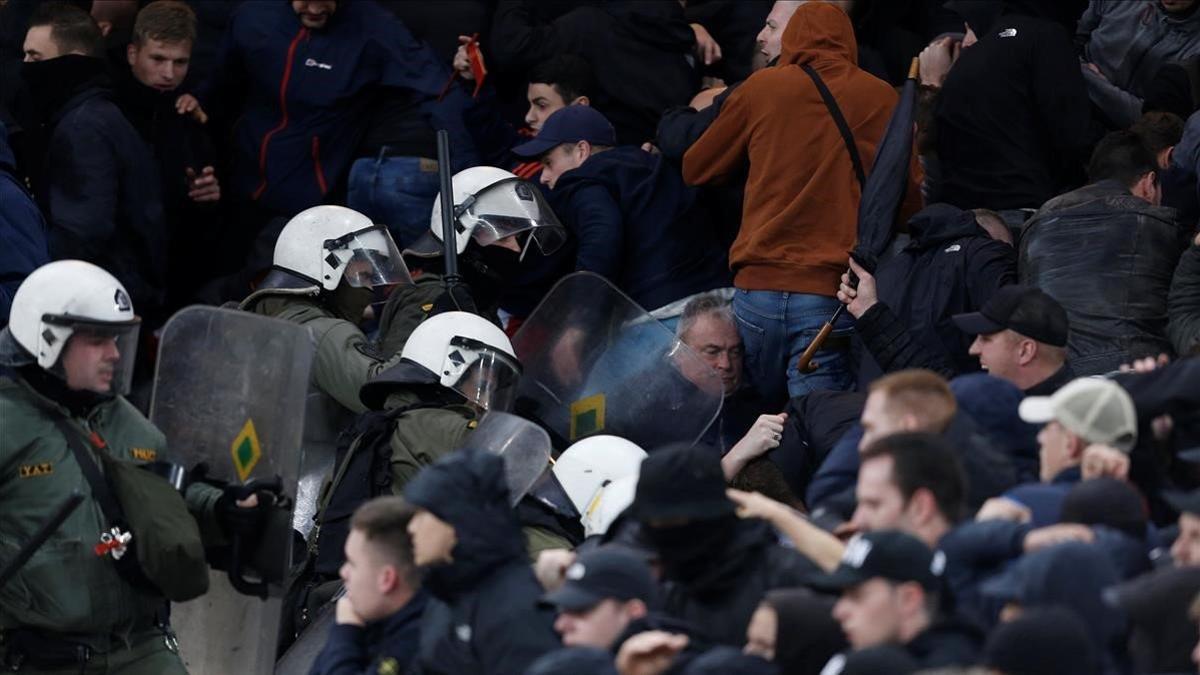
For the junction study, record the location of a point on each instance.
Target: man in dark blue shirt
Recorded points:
(379, 617)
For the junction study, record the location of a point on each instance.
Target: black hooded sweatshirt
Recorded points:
(1013, 121)
(484, 617)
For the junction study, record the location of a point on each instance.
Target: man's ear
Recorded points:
(1147, 187)
(585, 150)
(922, 505)
(387, 579)
(1075, 446)
(582, 100)
(105, 27)
(131, 52)
(909, 422)
(1027, 351)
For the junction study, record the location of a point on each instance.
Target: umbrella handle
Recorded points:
(806, 364)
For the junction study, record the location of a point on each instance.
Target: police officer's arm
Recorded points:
(345, 361)
(596, 218)
(201, 501)
(422, 436)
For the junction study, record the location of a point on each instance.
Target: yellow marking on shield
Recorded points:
(587, 416)
(245, 450)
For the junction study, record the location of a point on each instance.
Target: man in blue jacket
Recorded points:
(635, 221)
(22, 230)
(379, 618)
(302, 79)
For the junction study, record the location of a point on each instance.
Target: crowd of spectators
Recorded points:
(996, 462)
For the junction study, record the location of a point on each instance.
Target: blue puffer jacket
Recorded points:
(22, 231)
(637, 224)
(306, 93)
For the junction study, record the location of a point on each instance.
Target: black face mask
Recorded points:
(349, 302)
(51, 83)
(488, 270)
(704, 556)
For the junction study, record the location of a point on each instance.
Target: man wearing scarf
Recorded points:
(97, 183)
(716, 568)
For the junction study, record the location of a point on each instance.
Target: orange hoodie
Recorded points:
(799, 217)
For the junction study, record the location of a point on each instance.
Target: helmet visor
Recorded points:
(490, 381)
(510, 207)
(98, 356)
(367, 258)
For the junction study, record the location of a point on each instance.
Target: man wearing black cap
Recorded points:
(605, 590)
(635, 221)
(891, 593)
(716, 568)
(1021, 336)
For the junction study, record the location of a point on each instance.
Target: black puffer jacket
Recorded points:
(1107, 257)
(484, 617)
(951, 266)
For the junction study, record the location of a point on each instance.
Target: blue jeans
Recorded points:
(395, 191)
(776, 327)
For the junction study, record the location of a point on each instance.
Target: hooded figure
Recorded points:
(716, 568)
(484, 617)
(1074, 576)
(800, 212)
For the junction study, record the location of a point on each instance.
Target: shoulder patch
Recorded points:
(472, 424)
(144, 454)
(427, 307)
(33, 470)
(388, 666)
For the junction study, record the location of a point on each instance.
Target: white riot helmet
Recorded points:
(327, 243)
(468, 354)
(491, 204)
(586, 469)
(69, 298)
(608, 504)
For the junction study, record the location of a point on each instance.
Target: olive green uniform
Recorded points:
(65, 588)
(345, 358)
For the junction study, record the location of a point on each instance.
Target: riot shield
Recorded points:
(324, 419)
(595, 362)
(524, 446)
(229, 392)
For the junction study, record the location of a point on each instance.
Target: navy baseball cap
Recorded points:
(602, 574)
(1021, 309)
(890, 554)
(571, 124)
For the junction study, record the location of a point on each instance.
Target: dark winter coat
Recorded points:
(387, 644)
(951, 266)
(1012, 119)
(1107, 257)
(638, 225)
(100, 192)
(306, 95)
(1183, 303)
(22, 230)
(484, 616)
(641, 54)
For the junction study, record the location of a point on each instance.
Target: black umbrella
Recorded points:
(881, 197)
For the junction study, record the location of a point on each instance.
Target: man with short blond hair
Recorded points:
(379, 618)
(910, 400)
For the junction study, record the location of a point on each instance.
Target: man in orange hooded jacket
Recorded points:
(800, 211)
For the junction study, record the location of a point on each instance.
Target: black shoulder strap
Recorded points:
(108, 504)
(836, 113)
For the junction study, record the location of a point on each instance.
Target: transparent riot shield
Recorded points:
(230, 393)
(524, 446)
(595, 362)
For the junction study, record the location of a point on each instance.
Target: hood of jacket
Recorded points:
(1072, 575)
(818, 32)
(938, 223)
(466, 489)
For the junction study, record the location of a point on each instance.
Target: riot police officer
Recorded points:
(68, 356)
(329, 261)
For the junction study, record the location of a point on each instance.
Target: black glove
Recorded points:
(245, 521)
(457, 298)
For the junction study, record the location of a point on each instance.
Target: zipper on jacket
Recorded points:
(316, 159)
(283, 122)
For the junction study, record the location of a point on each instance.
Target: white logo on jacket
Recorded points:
(1008, 32)
(313, 63)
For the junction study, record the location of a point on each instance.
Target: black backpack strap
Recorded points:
(840, 120)
(91, 472)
